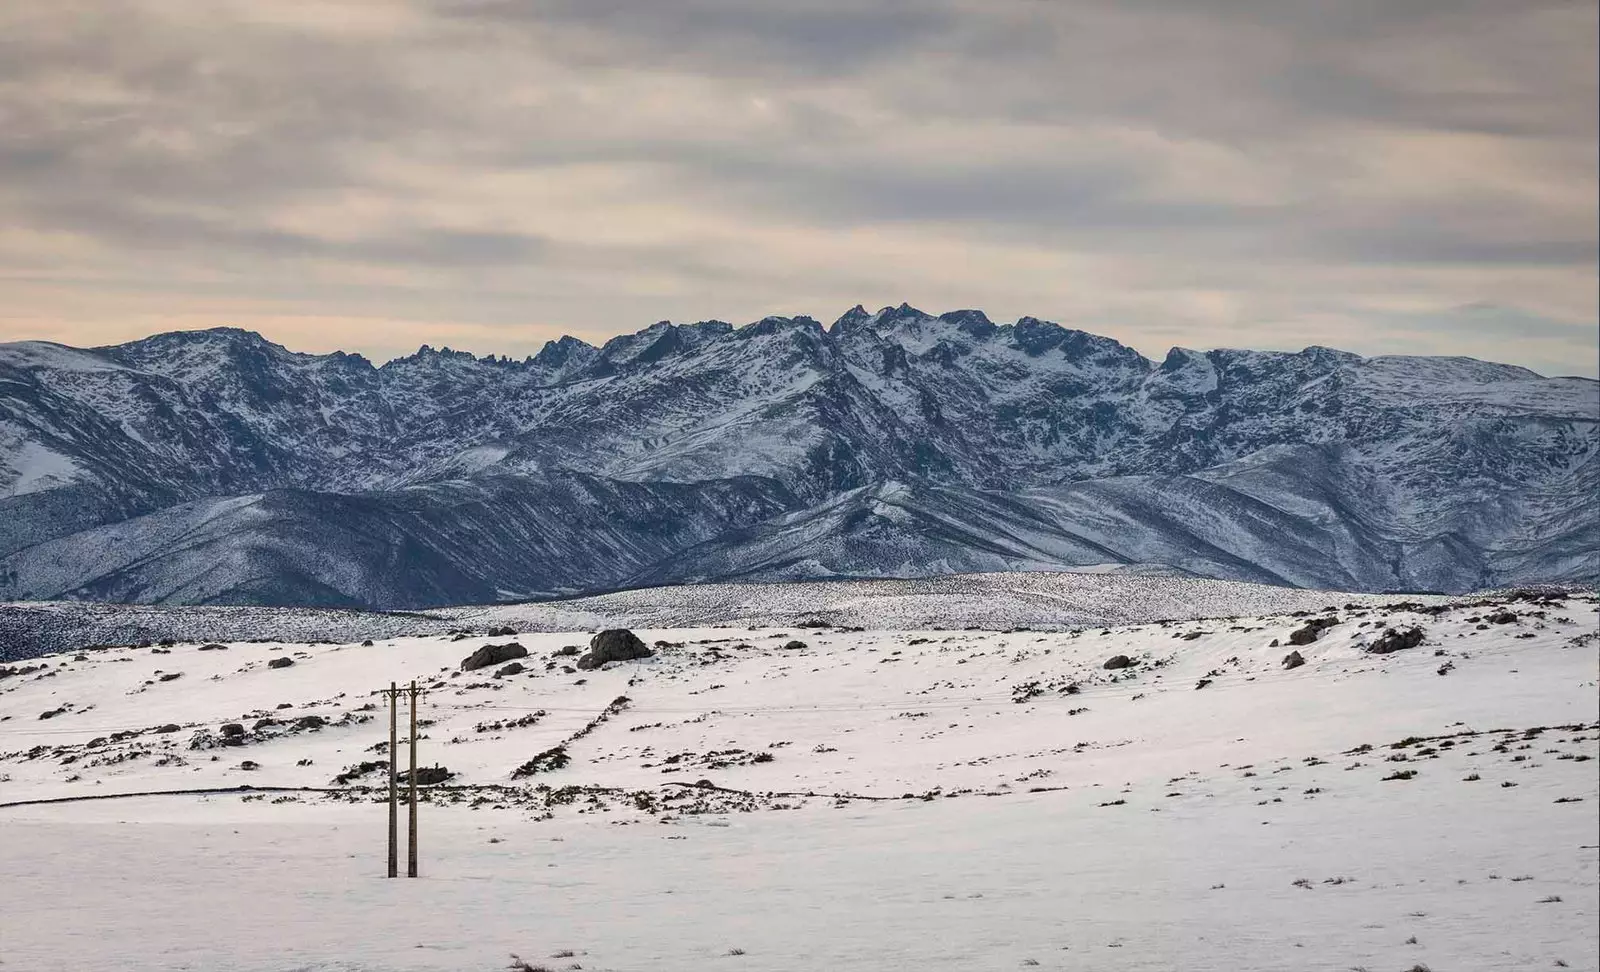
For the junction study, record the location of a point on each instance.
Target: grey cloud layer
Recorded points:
(1227, 171)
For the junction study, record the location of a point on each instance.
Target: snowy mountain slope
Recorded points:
(452, 542)
(772, 797)
(1442, 473)
(1308, 516)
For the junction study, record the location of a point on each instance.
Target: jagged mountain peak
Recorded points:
(855, 315)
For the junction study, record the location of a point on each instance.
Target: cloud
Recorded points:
(1199, 172)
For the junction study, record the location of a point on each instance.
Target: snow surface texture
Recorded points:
(216, 467)
(877, 800)
(1053, 601)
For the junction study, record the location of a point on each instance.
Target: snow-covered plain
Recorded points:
(1111, 594)
(935, 799)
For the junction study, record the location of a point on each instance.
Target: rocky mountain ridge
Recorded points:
(215, 466)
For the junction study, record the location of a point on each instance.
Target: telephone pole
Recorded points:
(411, 859)
(394, 810)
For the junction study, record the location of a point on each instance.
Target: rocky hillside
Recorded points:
(217, 467)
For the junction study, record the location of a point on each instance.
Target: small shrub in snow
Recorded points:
(547, 761)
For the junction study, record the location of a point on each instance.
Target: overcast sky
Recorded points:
(1387, 176)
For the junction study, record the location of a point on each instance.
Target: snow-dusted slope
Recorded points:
(773, 797)
(1445, 473)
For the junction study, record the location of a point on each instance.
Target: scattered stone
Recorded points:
(515, 668)
(427, 775)
(310, 722)
(213, 647)
(280, 663)
(493, 655)
(1293, 660)
(164, 729)
(352, 773)
(249, 764)
(171, 676)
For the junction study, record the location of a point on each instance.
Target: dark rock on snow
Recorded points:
(427, 775)
(1118, 661)
(493, 655)
(616, 644)
(1312, 631)
(1392, 641)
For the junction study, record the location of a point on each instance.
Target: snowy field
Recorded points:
(772, 798)
(1110, 594)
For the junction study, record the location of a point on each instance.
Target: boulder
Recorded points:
(310, 722)
(232, 729)
(1392, 640)
(616, 644)
(1312, 631)
(1293, 660)
(1118, 661)
(281, 663)
(493, 655)
(515, 668)
(794, 645)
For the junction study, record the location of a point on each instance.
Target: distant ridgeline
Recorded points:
(216, 467)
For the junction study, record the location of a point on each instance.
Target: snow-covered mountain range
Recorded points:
(216, 467)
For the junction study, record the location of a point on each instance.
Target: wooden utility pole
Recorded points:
(394, 809)
(411, 859)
